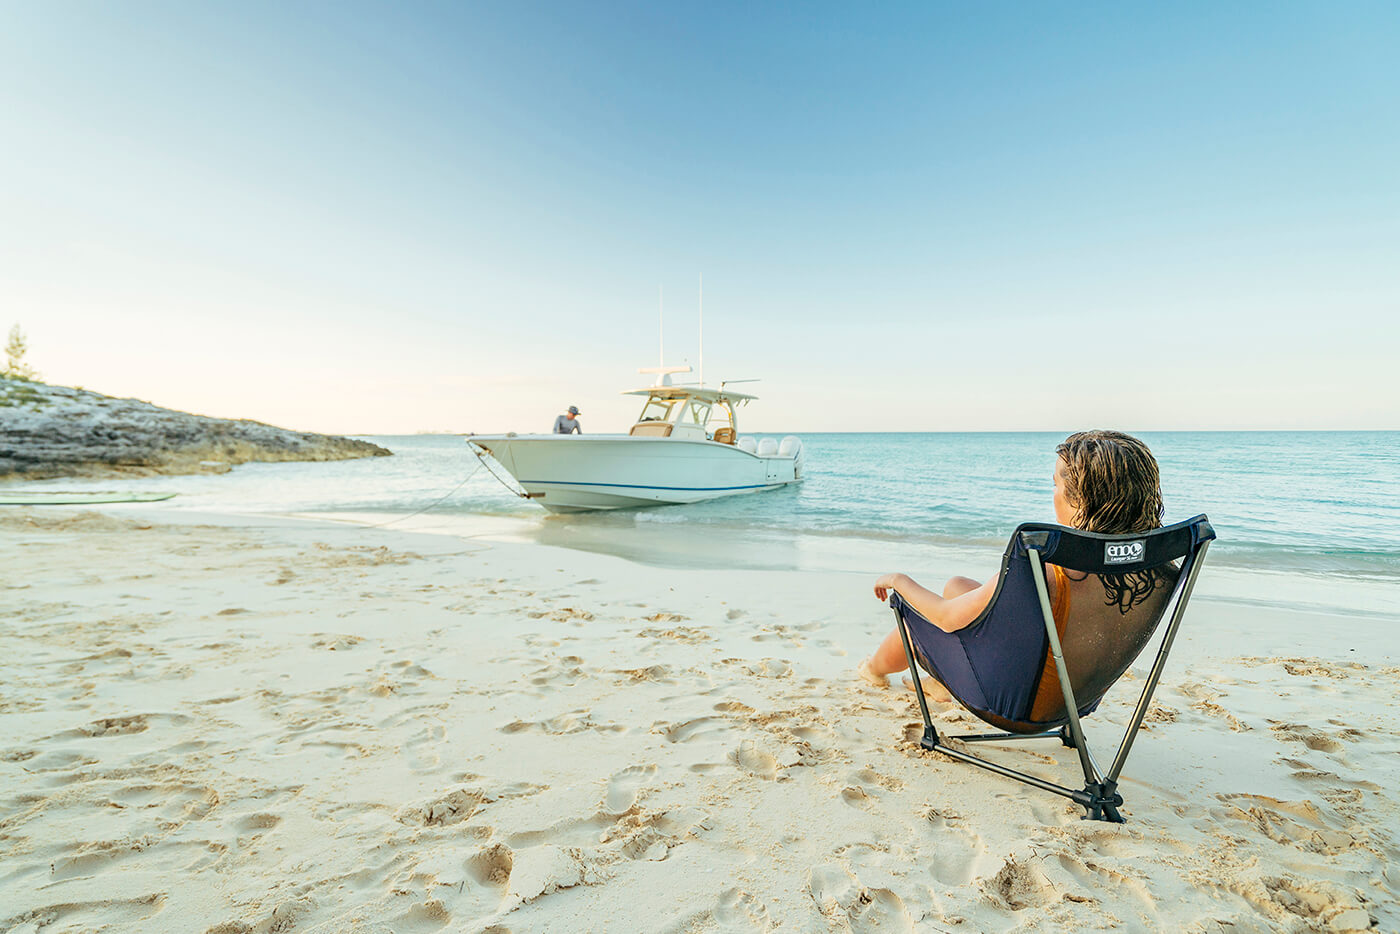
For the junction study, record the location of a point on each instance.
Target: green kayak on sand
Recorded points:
(74, 497)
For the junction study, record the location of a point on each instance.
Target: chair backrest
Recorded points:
(999, 667)
(1100, 641)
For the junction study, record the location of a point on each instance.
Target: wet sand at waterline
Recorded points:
(252, 724)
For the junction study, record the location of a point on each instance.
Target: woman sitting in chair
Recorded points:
(1105, 481)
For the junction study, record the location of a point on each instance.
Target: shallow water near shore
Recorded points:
(1309, 502)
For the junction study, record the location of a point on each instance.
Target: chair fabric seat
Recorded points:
(995, 666)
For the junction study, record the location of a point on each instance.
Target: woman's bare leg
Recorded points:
(889, 658)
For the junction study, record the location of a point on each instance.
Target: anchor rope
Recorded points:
(481, 461)
(434, 503)
(482, 455)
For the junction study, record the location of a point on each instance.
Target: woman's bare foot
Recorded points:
(868, 675)
(933, 689)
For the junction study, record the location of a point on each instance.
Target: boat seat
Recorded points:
(724, 435)
(652, 429)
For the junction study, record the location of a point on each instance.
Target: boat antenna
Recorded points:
(702, 330)
(661, 322)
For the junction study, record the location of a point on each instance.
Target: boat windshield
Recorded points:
(657, 410)
(696, 412)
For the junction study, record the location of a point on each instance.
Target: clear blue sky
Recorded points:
(391, 217)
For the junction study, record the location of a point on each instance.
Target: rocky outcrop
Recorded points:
(55, 431)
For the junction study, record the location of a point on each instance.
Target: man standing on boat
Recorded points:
(567, 424)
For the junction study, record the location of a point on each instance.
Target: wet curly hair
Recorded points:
(1111, 480)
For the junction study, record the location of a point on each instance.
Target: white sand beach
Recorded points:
(254, 725)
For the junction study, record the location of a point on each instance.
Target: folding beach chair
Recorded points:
(1015, 669)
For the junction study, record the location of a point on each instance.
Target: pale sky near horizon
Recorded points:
(378, 218)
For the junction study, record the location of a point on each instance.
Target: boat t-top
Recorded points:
(684, 447)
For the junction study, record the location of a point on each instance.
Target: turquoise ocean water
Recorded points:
(1317, 502)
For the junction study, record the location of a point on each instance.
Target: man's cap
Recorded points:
(573, 410)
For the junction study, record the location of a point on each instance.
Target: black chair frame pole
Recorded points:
(1099, 797)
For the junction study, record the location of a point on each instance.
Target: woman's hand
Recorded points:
(886, 583)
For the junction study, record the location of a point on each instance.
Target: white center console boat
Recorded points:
(684, 447)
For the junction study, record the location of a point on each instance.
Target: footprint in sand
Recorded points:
(58, 760)
(648, 843)
(738, 910)
(256, 823)
(428, 915)
(1287, 900)
(171, 802)
(754, 759)
(887, 782)
(861, 792)
(857, 797)
(1302, 733)
(1160, 713)
(688, 635)
(691, 729)
(452, 808)
(422, 751)
(880, 910)
(957, 857)
(1019, 885)
(114, 912)
(842, 900)
(833, 888)
(86, 860)
(411, 670)
(285, 916)
(575, 721)
(120, 726)
(563, 614)
(115, 726)
(1313, 668)
(1296, 823)
(336, 643)
(771, 668)
(1099, 880)
(547, 869)
(569, 831)
(658, 673)
(492, 866)
(624, 787)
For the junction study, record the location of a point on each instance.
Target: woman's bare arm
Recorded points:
(947, 614)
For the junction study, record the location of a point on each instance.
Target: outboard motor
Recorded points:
(747, 443)
(767, 447)
(791, 446)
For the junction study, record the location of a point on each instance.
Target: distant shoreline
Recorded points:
(49, 432)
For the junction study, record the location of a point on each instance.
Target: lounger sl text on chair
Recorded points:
(1033, 675)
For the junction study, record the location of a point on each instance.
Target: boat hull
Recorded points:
(575, 473)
